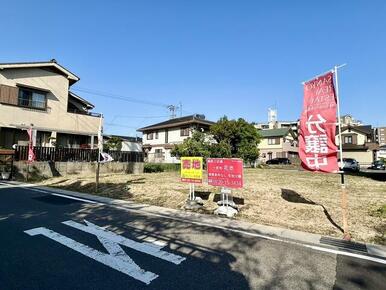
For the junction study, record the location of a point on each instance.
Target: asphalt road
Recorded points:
(119, 249)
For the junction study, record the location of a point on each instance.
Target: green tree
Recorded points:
(197, 145)
(114, 143)
(240, 136)
(226, 139)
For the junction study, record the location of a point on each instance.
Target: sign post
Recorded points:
(191, 172)
(226, 173)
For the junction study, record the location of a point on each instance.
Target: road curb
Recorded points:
(274, 233)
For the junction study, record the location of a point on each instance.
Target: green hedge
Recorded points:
(161, 167)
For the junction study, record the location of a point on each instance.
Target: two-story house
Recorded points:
(278, 143)
(159, 139)
(358, 143)
(38, 94)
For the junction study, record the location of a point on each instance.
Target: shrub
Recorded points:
(161, 167)
(151, 168)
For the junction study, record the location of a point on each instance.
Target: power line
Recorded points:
(119, 97)
(119, 125)
(140, 117)
(135, 117)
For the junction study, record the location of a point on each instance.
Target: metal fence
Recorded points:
(75, 154)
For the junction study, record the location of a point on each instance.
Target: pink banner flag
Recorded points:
(317, 148)
(31, 154)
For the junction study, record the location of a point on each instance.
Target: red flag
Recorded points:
(31, 154)
(317, 148)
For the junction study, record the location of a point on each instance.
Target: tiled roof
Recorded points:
(274, 132)
(366, 129)
(191, 119)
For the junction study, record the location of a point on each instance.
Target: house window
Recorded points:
(347, 140)
(273, 141)
(32, 99)
(150, 136)
(156, 134)
(184, 132)
(158, 153)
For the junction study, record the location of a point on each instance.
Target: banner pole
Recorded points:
(344, 198)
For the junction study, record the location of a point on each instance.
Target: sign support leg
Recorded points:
(26, 175)
(193, 194)
(190, 191)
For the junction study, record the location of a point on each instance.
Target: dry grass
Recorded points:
(287, 198)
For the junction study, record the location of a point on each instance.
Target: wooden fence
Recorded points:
(74, 154)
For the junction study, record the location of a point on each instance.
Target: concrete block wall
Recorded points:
(43, 169)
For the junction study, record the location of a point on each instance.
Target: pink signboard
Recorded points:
(225, 172)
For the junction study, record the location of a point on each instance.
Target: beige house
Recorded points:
(278, 143)
(358, 143)
(159, 139)
(38, 94)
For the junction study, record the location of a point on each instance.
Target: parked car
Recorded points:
(350, 164)
(278, 161)
(378, 165)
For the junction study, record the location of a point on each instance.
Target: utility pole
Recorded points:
(172, 109)
(100, 149)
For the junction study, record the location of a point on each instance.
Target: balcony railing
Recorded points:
(92, 114)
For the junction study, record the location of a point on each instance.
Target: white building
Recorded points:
(159, 139)
(273, 123)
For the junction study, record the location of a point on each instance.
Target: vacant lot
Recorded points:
(287, 198)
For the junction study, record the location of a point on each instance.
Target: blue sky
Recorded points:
(234, 58)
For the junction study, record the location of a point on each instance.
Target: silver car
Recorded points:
(350, 164)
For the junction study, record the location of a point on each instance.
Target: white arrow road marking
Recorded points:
(120, 262)
(146, 248)
(117, 258)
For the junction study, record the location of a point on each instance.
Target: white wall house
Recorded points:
(159, 139)
(38, 93)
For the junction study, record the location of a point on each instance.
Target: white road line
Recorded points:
(117, 259)
(65, 196)
(75, 198)
(146, 248)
